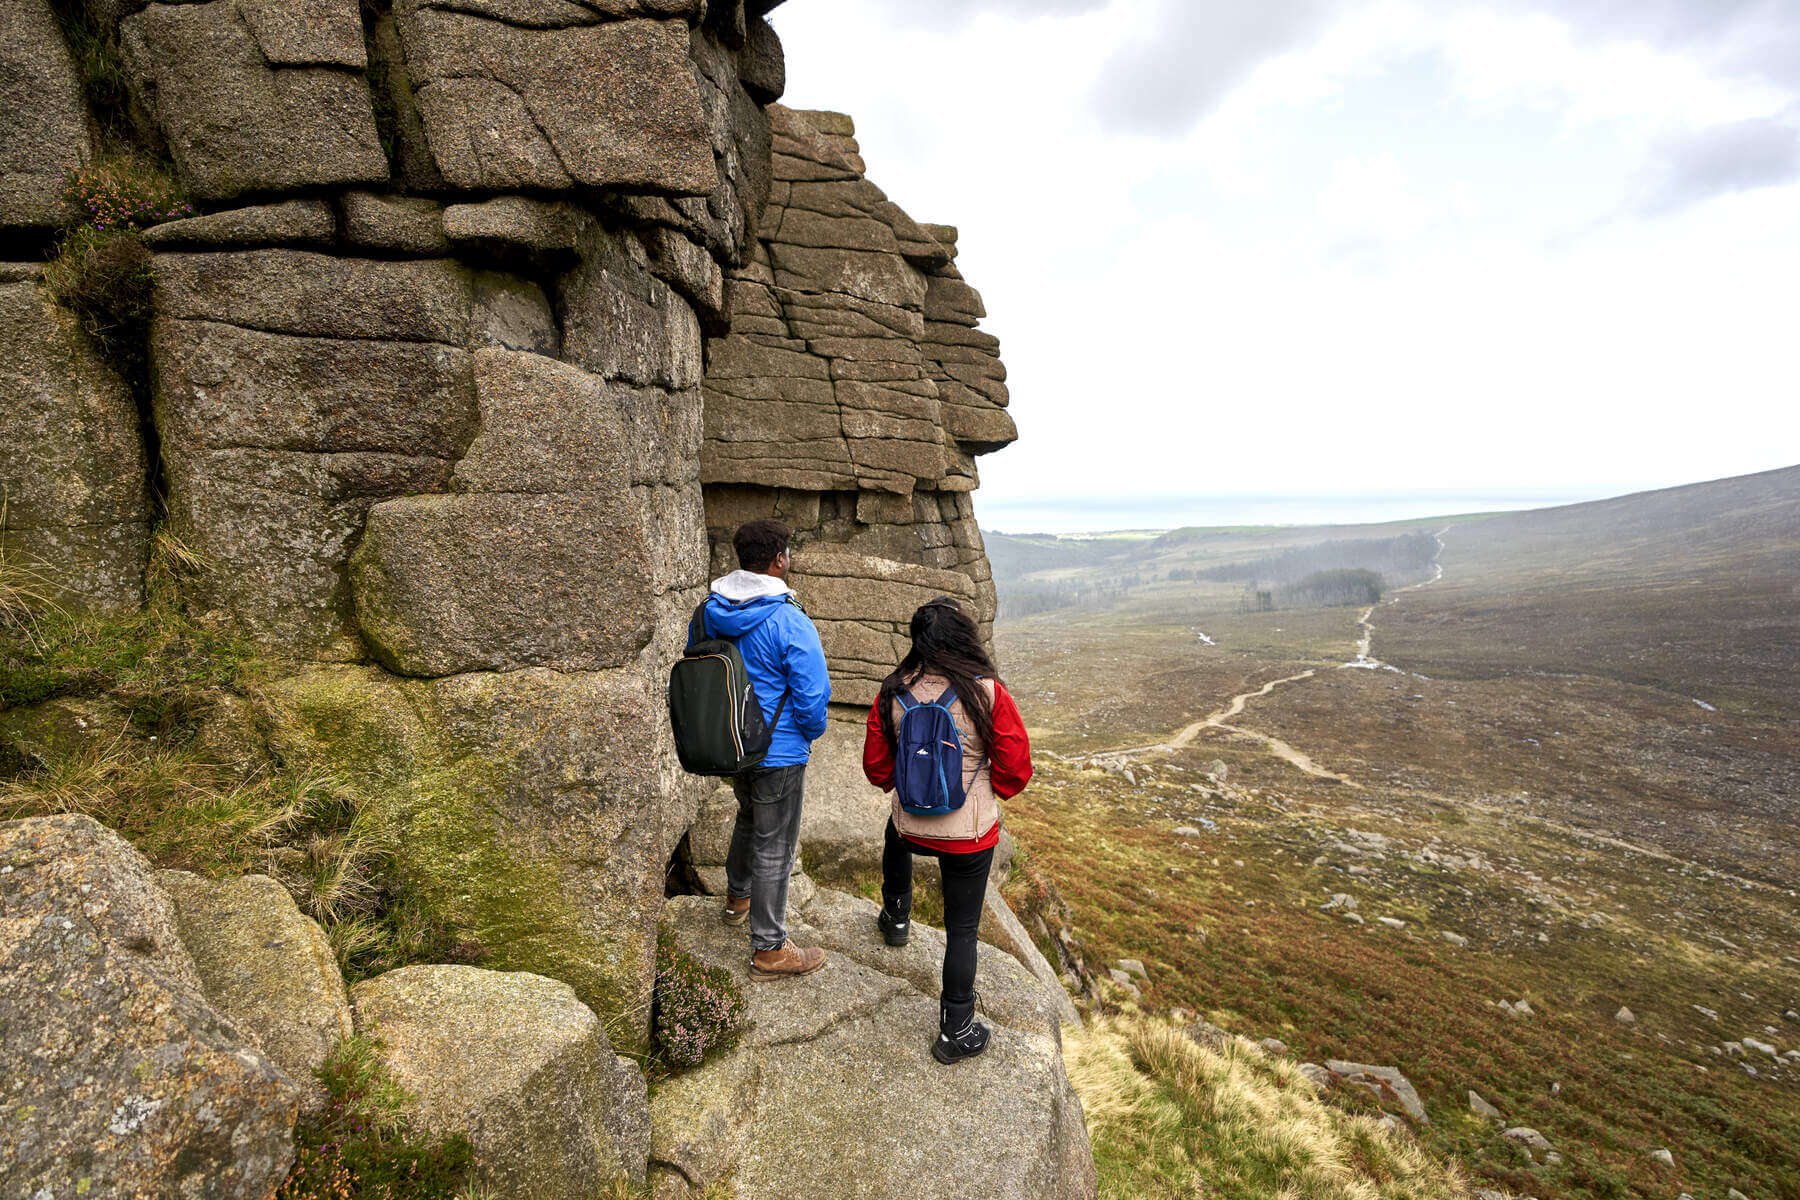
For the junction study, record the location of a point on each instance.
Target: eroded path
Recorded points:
(1280, 749)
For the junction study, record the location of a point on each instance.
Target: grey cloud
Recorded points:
(1740, 156)
(1186, 55)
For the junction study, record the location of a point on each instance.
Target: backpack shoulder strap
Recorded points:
(946, 698)
(698, 620)
(907, 700)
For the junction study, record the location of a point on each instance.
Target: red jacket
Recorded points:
(1009, 763)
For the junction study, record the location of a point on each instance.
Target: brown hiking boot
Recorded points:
(788, 962)
(737, 910)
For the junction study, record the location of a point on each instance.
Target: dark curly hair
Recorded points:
(759, 543)
(945, 642)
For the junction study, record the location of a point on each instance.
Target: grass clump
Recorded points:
(362, 1147)
(1170, 1118)
(698, 1011)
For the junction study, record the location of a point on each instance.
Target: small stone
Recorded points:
(1317, 1076)
(1133, 966)
(1482, 1108)
(1341, 900)
(1734, 1194)
(1187, 831)
(1761, 1047)
(1665, 1157)
(1391, 922)
(1274, 1046)
(1625, 1017)
(1455, 939)
(1355, 918)
(1552, 1158)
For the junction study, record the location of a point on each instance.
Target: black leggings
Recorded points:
(964, 878)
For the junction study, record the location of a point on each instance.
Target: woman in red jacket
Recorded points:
(947, 654)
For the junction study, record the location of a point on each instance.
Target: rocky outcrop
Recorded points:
(121, 1079)
(850, 401)
(265, 967)
(519, 1066)
(860, 1032)
(72, 466)
(491, 312)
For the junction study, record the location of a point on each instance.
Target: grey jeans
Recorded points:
(762, 848)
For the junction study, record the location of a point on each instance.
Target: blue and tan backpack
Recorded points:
(928, 762)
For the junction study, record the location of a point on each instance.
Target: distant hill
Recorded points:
(1695, 589)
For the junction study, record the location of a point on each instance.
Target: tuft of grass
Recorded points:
(1170, 1118)
(362, 1145)
(698, 1010)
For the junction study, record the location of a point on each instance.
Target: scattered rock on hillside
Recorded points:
(1317, 1076)
(1663, 1156)
(120, 1076)
(1274, 1046)
(1526, 1136)
(1455, 939)
(265, 967)
(1625, 1017)
(1341, 900)
(1385, 1083)
(1391, 922)
(860, 1036)
(1132, 966)
(1481, 1107)
(518, 1065)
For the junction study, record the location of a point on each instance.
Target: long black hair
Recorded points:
(945, 642)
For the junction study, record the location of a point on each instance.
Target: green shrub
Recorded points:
(698, 1011)
(361, 1147)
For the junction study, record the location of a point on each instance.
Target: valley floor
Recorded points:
(1469, 876)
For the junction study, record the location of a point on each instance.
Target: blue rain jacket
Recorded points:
(781, 651)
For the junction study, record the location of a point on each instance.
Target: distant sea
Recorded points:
(1077, 514)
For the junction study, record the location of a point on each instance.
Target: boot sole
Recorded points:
(731, 918)
(757, 972)
(950, 1060)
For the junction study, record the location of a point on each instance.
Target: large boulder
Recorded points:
(506, 106)
(121, 1079)
(266, 967)
(257, 95)
(45, 135)
(519, 1066)
(860, 1035)
(72, 464)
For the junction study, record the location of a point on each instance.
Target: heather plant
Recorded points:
(362, 1147)
(115, 195)
(699, 1010)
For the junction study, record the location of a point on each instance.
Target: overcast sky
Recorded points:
(1274, 246)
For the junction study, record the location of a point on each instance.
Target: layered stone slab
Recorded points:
(256, 95)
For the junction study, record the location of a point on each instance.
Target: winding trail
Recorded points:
(1280, 749)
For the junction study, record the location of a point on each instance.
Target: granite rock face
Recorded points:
(121, 1079)
(519, 1066)
(72, 463)
(45, 135)
(257, 95)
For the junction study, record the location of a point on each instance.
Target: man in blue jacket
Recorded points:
(755, 607)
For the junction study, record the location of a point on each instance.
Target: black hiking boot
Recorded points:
(960, 1035)
(896, 920)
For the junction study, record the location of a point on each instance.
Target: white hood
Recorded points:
(749, 585)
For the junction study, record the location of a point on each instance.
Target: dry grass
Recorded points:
(1172, 1118)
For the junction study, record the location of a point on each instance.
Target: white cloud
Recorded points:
(1354, 263)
